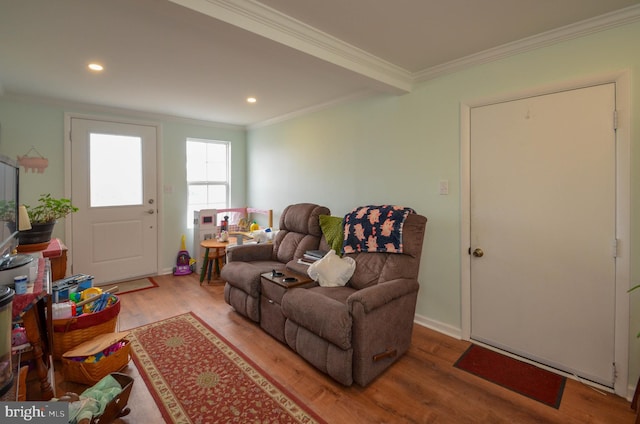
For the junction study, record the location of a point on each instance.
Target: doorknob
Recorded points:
(151, 211)
(478, 253)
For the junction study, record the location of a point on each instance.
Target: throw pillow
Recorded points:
(333, 231)
(332, 270)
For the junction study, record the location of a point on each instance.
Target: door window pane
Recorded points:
(115, 164)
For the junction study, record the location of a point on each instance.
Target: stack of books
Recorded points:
(310, 256)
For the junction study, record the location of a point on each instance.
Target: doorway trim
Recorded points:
(68, 116)
(623, 207)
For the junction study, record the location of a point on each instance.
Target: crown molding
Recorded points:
(311, 109)
(568, 32)
(267, 22)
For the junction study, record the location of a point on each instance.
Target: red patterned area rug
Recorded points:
(196, 376)
(521, 377)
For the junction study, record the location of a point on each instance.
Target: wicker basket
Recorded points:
(90, 374)
(70, 332)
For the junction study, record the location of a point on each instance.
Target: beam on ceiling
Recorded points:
(269, 23)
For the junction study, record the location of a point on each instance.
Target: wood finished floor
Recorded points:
(422, 387)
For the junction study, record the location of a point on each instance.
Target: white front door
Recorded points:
(113, 168)
(543, 226)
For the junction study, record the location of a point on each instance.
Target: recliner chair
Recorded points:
(353, 333)
(299, 231)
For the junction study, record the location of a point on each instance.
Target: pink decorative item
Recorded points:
(34, 163)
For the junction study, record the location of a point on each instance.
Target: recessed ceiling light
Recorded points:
(251, 100)
(96, 67)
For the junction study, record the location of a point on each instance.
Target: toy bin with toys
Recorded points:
(92, 360)
(85, 315)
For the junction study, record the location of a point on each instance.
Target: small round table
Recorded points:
(217, 256)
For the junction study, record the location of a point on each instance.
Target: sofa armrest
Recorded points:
(250, 252)
(380, 294)
(294, 266)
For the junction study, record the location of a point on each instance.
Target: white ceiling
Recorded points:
(200, 59)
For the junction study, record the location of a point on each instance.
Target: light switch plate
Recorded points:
(444, 187)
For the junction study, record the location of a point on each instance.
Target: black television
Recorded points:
(9, 215)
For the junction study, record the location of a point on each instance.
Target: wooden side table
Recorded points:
(32, 310)
(35, 324)
(55, 251)
(214, 259)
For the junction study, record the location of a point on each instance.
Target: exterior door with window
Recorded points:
(113, 165)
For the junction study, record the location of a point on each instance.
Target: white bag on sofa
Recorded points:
(332, 270)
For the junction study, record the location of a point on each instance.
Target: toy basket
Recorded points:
(91, 373)
(70, 332)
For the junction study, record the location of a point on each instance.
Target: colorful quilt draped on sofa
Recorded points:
(374, 229)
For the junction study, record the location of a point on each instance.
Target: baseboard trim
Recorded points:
(631, 389)
(456, 333)
(438, 326)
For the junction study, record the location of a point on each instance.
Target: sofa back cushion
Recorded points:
(374, 268)
(299, 231)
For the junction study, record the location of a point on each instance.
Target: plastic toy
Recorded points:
(18, 336)
(183, 263)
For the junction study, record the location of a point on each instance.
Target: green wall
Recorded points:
(26, 122)
(24, 125)
(384, 149)
(395, 149)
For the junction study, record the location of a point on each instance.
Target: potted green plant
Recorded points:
(43, 218)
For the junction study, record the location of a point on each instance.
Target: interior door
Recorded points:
(113, 166)
(543, 229)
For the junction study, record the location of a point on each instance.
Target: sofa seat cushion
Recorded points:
(341, 294)
(246, 275)
(322, 312)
